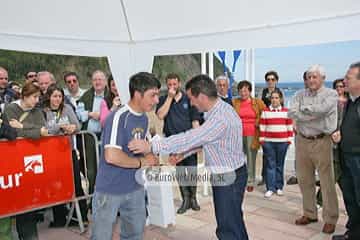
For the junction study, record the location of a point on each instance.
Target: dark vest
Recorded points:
(350, 128)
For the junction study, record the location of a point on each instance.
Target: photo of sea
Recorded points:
(288, 88)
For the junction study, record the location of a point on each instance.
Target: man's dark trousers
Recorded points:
(228, 207)
(350, 182)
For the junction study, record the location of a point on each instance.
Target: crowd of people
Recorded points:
(41, 108)
(323, 124)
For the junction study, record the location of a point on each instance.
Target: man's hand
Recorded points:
(139, 146)
(94, 115)
(175, 158)
(171, 93)
(149, 160)
(336, 137)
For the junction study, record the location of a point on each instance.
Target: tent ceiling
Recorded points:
(77, 19)
(131, 32)
(171, 19)
(149, 21)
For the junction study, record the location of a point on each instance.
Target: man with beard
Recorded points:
(178, 115)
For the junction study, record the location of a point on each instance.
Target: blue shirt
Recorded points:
(120, 128)
(94, 125)
(180, 115)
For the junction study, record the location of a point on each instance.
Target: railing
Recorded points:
(30, 178)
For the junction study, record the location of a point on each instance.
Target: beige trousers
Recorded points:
(251, 159)
(317, 155)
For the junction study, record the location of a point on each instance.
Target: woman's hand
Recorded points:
(116, 103)
(68, 128)
(44, 131)
(15, 124)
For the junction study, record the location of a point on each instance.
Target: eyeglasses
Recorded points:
(270, 79)
(31, 76)
(339, 86)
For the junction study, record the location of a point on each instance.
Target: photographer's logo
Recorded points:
(34, 163)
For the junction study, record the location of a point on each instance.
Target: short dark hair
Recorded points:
(202, 84)
(26, 74)
(172, 76)
(336, 81)
(356, 65)
(68, 74)
(272, 72)
(305, 76)
(244, 83)
(278, 92)
(142, 82)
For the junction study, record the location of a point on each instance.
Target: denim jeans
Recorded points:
(350, 182)
(131, 207)
(228, 208)
(275, 153)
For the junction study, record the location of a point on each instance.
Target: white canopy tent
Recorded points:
(132, 32)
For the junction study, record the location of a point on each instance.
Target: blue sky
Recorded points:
(291, 62)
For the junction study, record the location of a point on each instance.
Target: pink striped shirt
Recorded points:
(275, 125)
(220, 136)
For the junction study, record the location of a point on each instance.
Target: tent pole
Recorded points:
(252, 70)
(203, 63)
(211, 65)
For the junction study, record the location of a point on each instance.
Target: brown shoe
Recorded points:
(249, 188)
(328, 228)
(304, 221)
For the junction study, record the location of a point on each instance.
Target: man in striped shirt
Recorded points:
(220, 136)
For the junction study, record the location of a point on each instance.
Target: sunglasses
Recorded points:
(31, 76)
(71, 81)
(270, 79)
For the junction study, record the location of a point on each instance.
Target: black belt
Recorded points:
(319, 136)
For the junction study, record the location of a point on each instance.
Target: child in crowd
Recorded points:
(276, 132)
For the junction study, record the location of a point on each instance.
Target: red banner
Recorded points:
(35, 174)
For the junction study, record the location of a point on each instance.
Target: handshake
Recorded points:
(140, 146)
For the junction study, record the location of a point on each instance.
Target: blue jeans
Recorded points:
(228, 208)
(275, 153)
(350, 182)
(131, 207)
